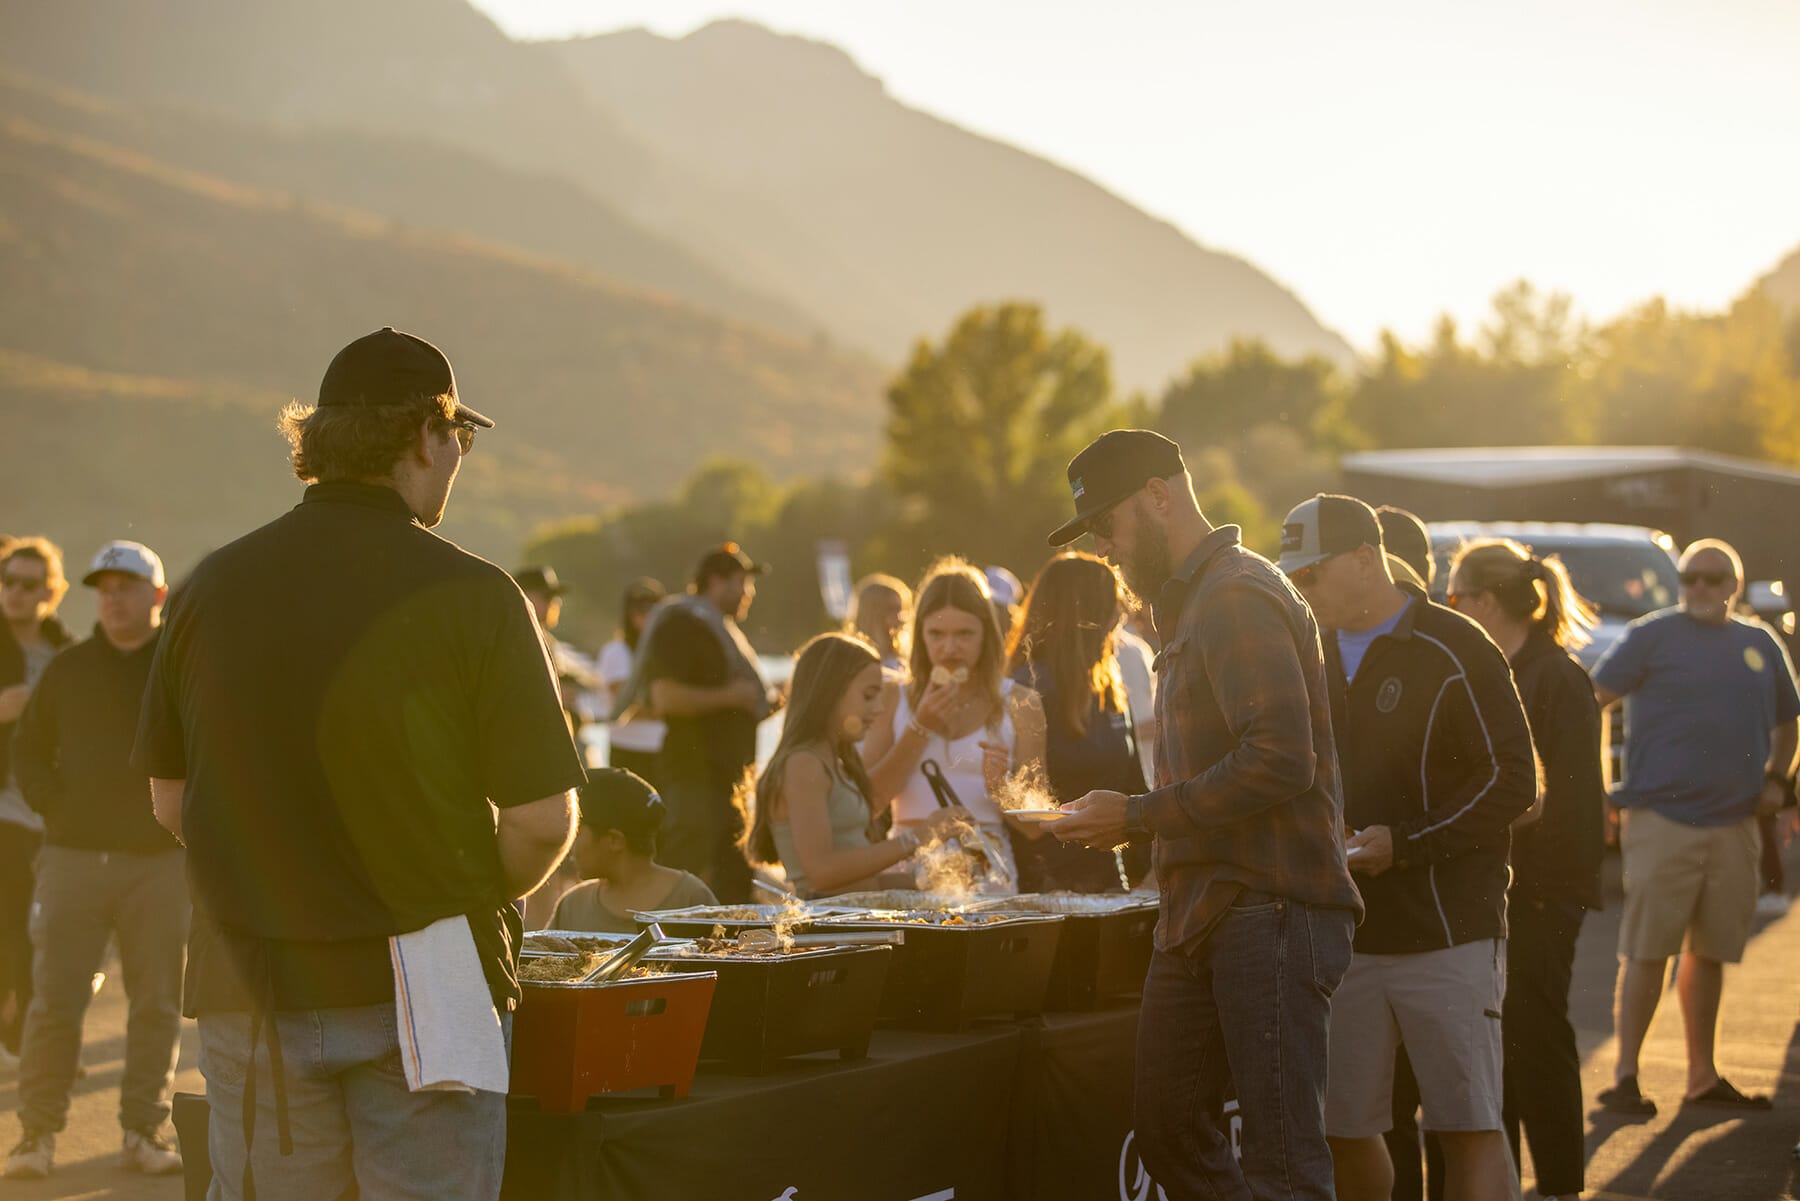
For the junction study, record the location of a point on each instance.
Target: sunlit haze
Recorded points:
(1387, 161)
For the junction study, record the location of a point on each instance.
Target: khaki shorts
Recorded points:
(1445, 1006)
(1692, 883)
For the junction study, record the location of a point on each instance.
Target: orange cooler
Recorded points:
(575, 1041)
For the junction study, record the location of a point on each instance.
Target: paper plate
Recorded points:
(1040, 815)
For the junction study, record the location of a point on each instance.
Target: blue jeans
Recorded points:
(357, 1129)
(1251, 1007)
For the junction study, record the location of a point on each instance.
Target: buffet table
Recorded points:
(1026, 1111)
(925, 1115)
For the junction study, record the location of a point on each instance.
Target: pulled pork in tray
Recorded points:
(573, 944)
(924, 917)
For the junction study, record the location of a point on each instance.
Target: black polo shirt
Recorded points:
(714, 747)
(344, 693)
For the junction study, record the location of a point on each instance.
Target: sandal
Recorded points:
(1625, 1098)
(1726, 1093)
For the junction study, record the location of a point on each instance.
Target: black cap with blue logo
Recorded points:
(1113, 468)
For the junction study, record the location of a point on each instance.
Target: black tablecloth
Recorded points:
(1033, 1112)
(925, 1116)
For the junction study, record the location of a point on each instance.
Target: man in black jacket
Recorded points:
(106, 869)
(1437, 763)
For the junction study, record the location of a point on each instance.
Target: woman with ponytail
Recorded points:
(1535, 616)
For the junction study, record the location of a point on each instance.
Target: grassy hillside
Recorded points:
(153, 318)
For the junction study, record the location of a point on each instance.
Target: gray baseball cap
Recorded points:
(1324, 526)
(131, 558)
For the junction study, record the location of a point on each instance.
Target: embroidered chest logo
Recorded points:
(1388, 699)
(1754, 660)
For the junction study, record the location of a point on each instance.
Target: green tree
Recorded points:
(980, 431)
(1225, 395)
(1516, 383)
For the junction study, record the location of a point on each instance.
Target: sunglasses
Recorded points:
(1100, 525)
(24, 583)
(465, 435)
(1306, 577)
(1712, 579)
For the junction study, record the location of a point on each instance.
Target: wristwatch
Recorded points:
(1134, 816)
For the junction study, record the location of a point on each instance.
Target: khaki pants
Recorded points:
(82, 899)
(1692, 883)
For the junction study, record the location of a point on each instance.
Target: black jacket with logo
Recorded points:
(1434, 745)
(72, 750)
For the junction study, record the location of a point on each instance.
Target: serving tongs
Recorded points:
(615, 965)
(947, 799)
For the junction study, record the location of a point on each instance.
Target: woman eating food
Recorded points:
(958, 711)
(813, 808)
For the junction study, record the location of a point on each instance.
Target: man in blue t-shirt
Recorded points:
(1711, 708)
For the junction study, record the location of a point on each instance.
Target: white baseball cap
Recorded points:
(132, 558)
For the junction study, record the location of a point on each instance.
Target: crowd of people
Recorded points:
(339, 774)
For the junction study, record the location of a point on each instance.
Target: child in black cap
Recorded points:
(615, 851)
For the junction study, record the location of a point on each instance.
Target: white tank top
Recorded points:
(961, 760)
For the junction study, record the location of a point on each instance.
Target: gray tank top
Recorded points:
(849, 816)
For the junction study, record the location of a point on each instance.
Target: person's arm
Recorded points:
(165, 801)
(1251, 661)
(672, 698)
(804, 801)
(533, 839)
(34, 758)
(1568, 729)
(892, 754)
(1480, 748)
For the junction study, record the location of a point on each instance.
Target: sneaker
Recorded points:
(31, 1159)
(151, 1152)
(1771, 904)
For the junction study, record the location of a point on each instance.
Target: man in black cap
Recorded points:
(1437, 764)
(699, 674)
(1257, 906)
(353, 726)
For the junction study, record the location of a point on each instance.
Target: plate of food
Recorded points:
(1040, 815)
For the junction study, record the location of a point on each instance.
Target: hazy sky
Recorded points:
(1387, 160)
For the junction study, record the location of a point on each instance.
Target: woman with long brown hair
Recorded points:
(959, 710)
(1532, 612)
(814, 810)
(1063, 649)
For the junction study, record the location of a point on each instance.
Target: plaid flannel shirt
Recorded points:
(1248, 794)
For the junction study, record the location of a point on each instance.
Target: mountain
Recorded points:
(812, 200)
(907, 218)
(241, 100)
(154, 317)
(1783, 283)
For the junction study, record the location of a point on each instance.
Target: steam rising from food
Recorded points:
(1025, 789)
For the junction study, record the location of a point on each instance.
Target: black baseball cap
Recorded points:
(1114, 467)
(1408, 540)
(539, 579)
(728, 558)
(1324, 526)
(389, 367)
(616, 799)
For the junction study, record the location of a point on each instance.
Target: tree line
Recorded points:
(982, 422)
